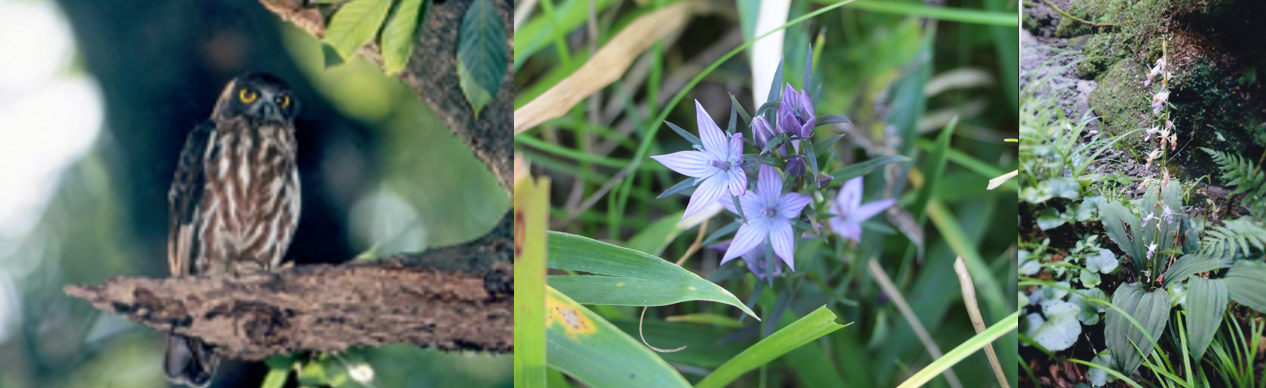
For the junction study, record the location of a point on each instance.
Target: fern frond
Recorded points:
(1240, 172)
(1241, 235)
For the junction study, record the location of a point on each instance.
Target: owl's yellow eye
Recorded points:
(284, 101)
(247, 96)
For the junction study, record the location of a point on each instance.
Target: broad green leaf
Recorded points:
(590, 349)
(1059, 329)
(1150, 310)
(355, 24)
(1246, 283)
(1103, 261)
(706, 346)
(654, 238)
(1206, 301)
(1123, 228)
(626, 277)
(398, 35)
(1090, 310)
(531, 204)
(818, 323)
(1089, 278)
(1194, 263)
(481, 54)
(844, 174)
(967, 348)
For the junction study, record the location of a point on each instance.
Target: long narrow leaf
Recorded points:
(971, 346)
(586, 347)
(817, 324)
(844, 174)
(531, 204)
(626, 277)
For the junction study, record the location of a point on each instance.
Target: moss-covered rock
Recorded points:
(1122, 103)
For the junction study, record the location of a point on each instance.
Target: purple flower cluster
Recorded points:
(768, 214)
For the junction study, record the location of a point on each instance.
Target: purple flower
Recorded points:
(795, 113)
(762, 131)
(716, 167)
(754, 258)
(796, 166)
(769, 214)
(850, 212)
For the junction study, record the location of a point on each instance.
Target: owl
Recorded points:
(234, 202)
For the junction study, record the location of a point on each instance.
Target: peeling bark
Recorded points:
(322, 308)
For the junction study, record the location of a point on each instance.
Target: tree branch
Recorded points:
(432, 74)
(321, 308)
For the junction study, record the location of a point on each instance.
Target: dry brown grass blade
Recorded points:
(978, 322)
(607, 65)
(894, 294)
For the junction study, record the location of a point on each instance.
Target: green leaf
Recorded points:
(1194, 263)
(654, 238)
(1050, 218)
(481, 54)
(707, 319)
(1246, 282)
(1206, 301)
(531, 205)
(1060, 328)
(1150, 310)
(355, 24)
(398, 36)
(626, 277)
(1103, 261)
(1089, 278)
(844, 174)
(586, 347)
(1090, 310)
(935, 168)
(967, 348)
(276, 378)
(818, 323)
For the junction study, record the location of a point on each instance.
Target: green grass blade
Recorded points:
(844, 174)
(531, 204)
(655, 237)
(586, 347)
(948, 14)
(817, 324)
(972, 345)
(936, 168)
(626, 277)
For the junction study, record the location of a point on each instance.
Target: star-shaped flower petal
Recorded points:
(850, 212)
(755, 260)
(716, 167)
(769, 214)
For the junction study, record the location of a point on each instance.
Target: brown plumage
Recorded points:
(234, 203)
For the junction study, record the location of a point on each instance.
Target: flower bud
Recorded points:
(796, 166)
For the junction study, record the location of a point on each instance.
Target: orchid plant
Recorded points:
(790, 192)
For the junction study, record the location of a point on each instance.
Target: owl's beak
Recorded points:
(271, 112)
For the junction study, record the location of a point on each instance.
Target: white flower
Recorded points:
(1160, 66)
(1151, 156)
(1158, 101)
(1151, 131)
(1151, 249)
(1150, 216)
